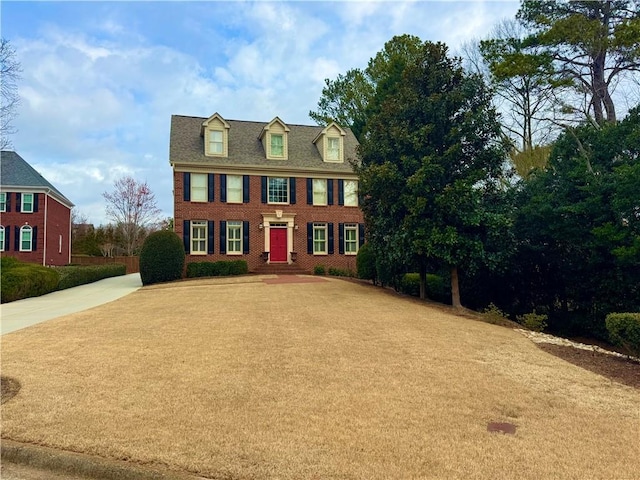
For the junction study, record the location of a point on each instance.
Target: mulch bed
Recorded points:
(618, 369)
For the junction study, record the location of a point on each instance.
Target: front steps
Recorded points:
(280, 269)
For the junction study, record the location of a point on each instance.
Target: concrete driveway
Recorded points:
(31, 311)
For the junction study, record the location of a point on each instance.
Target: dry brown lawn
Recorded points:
(241, 379)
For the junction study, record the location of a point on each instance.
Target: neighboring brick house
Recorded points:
(272, 194)
(35, 217)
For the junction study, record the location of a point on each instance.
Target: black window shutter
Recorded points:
(34, 239)
(185, 235)
(223, 187)
(16, 240)
(18, 202)
(8, 201)
(330, 225)
(340, 192)
(35, 202)
(330, 192)
(310, 238)
(245, 189)
(309, 191)
(360, 234)
(263, 185)
(7, 235)
(223, 236)
(341, 238)
(292, 190)
(186, 185)
(245, 237)
(210, 230)
(210, 184)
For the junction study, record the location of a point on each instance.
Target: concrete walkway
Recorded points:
(30, 311)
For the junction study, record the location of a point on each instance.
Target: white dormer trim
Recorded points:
(326, 141)
(215, 131)
(274, 138)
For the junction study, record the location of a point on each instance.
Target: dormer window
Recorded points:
(274, 140)
(216, 142)
(330, 143)
(215, 131)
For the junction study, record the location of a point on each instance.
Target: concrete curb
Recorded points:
(89, 466)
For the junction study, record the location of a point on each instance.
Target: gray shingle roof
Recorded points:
(16, 172)
(246, 150)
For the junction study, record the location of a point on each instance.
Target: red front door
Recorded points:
(278, 248)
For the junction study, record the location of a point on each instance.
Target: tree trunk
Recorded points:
(455, 288)
(423, 281)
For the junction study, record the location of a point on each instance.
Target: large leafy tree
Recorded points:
(432, 166)
(352, 98)
(593, 45)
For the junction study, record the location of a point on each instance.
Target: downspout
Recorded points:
(44, 241)
(69, 238)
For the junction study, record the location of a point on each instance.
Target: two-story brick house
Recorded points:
(35, 218)
(269, 193)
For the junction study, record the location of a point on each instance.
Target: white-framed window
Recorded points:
(198, 237)
(350, 238)
(26, 238)
(3, 202)
(198, 187)
(319, 191)
(216, 142)
(351, 193)
(277, 145)
(333, 149)
(234, 238)
(26, 205)
(278, 190)
(319, 238)
(234, 188)
(1, 238)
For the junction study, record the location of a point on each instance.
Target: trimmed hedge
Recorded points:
(624, 331)
(23, 280)
(366, 263)
(161, 258)
(74, 275)
(340, 272)
(221, 268)
(437, 290)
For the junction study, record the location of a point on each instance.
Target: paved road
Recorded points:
(30, 311)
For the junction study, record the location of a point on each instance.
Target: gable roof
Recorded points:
(17, 173)
(246, 149)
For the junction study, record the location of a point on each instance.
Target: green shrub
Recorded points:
(24, 280)
(161, 258)
(340, 272)
(74, 275)
(624, 331)
(436, 288)
(533, 321)
(9, 262)
(494, 315)
(366, 263)
(221, 268)
(319, 270)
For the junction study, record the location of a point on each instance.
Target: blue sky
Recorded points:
(102, 79)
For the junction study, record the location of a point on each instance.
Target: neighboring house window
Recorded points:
(277, 145)
(27, 203)
(351, 193)
(26, 238)
(216, 145)
(3, 202)
(350, 239)
(278, 190)
(319, 238)
(319, 191)
(234, 238)
(1, 238)
(198, 187)
(333, 149)
(198, 237)
(234, 188)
